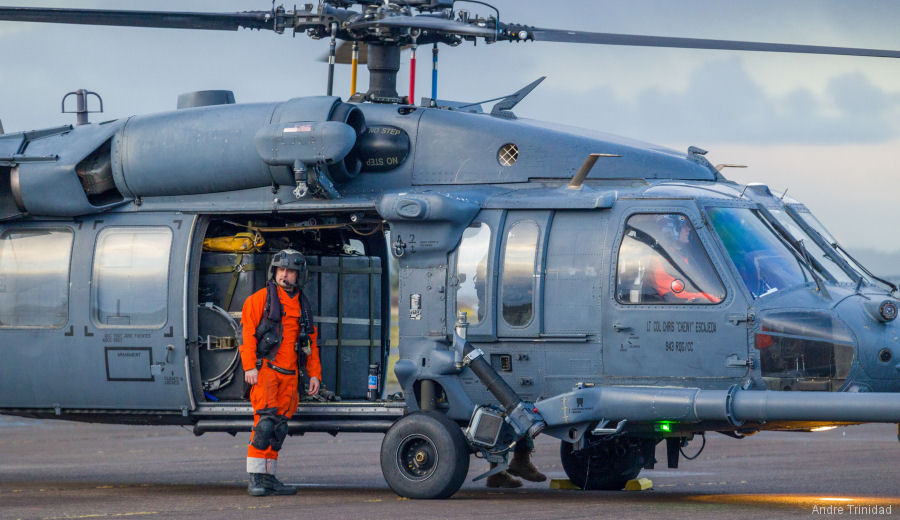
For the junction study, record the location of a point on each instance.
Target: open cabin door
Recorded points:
(348, 292)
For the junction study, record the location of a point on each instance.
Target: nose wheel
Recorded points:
(425, 455)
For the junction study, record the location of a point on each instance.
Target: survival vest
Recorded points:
(270, 331)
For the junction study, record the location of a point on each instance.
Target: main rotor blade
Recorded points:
(558, 35)
(427, 23)
(163, 19)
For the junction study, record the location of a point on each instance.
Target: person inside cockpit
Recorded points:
(670, 269)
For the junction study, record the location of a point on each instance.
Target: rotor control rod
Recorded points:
(434, 71)
(412, 74)
(354, 63)
(331, 49)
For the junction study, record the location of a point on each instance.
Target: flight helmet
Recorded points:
(290, 259)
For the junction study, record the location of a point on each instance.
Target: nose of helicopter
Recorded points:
(877, 331)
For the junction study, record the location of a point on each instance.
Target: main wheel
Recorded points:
(424, 455)
(604, 464)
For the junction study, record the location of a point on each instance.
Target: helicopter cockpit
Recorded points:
(777, 248)
(661, 260)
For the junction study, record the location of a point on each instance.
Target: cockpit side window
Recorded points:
(763, 261)
(661, 261)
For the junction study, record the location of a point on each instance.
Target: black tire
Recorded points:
(606, 465)
(424, 455)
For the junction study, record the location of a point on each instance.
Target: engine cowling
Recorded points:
(72, 171)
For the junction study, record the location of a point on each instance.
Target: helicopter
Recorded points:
(552, 281)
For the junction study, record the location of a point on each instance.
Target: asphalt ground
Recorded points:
(61, 470)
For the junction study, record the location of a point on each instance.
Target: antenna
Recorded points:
(81, 112)
(578, 178)
(720, 167)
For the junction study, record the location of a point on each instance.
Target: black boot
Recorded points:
(502, 480)
(278, 487)
(257, 486)
(521, 466)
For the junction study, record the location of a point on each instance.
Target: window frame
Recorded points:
(534, 328)
(489, 253)
(486, 330)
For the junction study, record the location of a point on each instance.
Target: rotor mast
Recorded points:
(383, 65)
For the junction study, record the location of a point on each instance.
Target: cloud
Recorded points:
(9, 29)
(722, 103)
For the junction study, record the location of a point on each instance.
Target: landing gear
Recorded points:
(604, 463)
(424, 455)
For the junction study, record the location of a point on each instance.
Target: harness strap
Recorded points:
(279, 369)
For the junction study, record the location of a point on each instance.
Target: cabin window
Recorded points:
(34, 277)
(471, 271)
(661, 261)
(518, 273)
(130, 277)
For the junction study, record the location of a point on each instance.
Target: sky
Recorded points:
(826, 128)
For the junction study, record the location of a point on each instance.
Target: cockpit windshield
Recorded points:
(817, 226)
(817, 254)
(764, 262)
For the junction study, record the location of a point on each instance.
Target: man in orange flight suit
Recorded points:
(269, 355)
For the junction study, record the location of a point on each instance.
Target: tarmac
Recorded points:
(62, 470)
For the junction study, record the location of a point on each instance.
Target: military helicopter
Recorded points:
(603, 291)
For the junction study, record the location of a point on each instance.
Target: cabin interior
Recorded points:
(348, 289)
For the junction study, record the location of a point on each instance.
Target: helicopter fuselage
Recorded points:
(103, 265)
